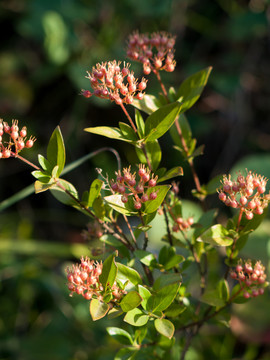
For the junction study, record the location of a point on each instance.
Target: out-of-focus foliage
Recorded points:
(45, 49)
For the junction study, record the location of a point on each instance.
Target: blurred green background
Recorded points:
(46, 48)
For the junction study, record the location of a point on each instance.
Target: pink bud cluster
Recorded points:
(94, 231)
(181, 224)
(246, 193)
(83, 279)
(251, 278)
(109, 81)
(127, 185)
(154, 51)
(15, 139)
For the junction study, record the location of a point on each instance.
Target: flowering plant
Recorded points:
(150, 290)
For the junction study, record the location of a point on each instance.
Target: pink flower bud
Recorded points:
(124, 198)
(153, 195)
(137, 205)
(144, 198)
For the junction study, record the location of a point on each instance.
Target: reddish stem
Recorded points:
(129, 118)
(24, 160)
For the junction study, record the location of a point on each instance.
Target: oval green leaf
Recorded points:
(98, 309)
(120, 335)
(125, 273)
(131, 301)
(165, 327)
(56, 154)
(136, 317)
(217, 235)
(158, 123)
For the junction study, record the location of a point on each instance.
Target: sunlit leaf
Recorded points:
(127, 273)
(217, 235)
(159, 122)
(56, 154)
(148, 104)
(98, 309)
(136, 317)
(130, 301)
(192, 87)
(120, 335)
(109, 272)
(164, 327)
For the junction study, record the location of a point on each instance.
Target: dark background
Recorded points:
(46, 48)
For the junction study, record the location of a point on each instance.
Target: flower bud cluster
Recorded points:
(93, 232)
(127, 185)
(252, 278)
(154, 51)
(246, 193)
(181, 224)
(15, 139)
(110, 81)
(83, 279)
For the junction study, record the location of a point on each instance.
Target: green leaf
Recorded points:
(145, 257)
(166, 279)
(56, 154)
(213, 298)
(120, 335)
(110, 132)
(114, 313)
(174, 310)
(224, 291)
(125, 273)
(217, 235)
(115, 202)
(98, 207)
(176, 171)
(136, 317)
(197, 152)
(109, 272)
(98, 309)
(153, 205)
(192, 87)
(40, 186)
(94, 191)
(41, 176)
(164, 327)
(140, 124)
(61, 195)
(112, 241)
(254, 223)
(168, 257)
(140, 334)
(153, 152)
(44, 163)
(213, 185)
(163, 298)
(204, 222)
(148, 104)
(131, 301)
(158, 123)
(126, 353)
(145, 294)
(127, 132)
